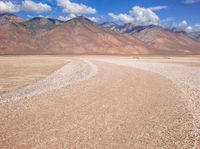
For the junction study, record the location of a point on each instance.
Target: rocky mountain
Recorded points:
(194, 35)
(6, 18)
(128, 28)
(167, 42)
(162, 39)
(40, 24)
(111, 26)
(82, 36)
(76, 36)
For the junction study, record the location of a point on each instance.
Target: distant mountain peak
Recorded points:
(108, 23)
(38, 24)
(80, 19)
(7, 14)
(6, 18)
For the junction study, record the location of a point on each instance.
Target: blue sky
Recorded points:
(180, 13)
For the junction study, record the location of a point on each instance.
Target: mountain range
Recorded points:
(82, 36)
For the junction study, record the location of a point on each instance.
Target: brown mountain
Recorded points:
(82, 36)
(164, 41)
(77, 36)
(168, 42)
(16, 40)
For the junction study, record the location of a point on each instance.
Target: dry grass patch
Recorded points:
(19, 71)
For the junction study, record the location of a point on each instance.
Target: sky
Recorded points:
(182, 14)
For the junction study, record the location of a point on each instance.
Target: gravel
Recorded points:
(185, 77)
(69, 74)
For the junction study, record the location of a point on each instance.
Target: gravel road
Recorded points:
(118, 107)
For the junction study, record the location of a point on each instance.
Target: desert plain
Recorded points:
(100, 102)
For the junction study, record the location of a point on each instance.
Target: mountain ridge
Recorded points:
(80, 35)
(76, 36)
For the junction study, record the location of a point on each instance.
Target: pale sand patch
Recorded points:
(19, 71)
(71, 73)
(119, 107)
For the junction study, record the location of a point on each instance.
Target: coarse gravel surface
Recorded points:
(184, 72)
(118, 107)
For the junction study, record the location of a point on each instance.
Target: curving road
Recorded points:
(119, 107)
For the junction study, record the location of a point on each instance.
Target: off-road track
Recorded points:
(111, 106)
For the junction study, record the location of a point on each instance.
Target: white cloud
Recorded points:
(9, 7)
(138, 15)
(75, 8)
(182, 26)
(189, 28)
(122, 17)
(29, 5)
(144, 15)
(94, 19)
(66, 18)
(156, 8)
(71, 16)
(41, 16)
(191, 1)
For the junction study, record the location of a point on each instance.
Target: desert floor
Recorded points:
(103, 102)
(17, 72)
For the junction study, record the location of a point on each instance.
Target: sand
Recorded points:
(19, 71)
(118, 107)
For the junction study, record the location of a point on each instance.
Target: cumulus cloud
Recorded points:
(138, 15)
(122, 17)
(94, 19)
(189, 28)
(29, 5)
(144, 15)
(182, 26)
(66, 18)
(75, 8)
(7, 6)
(191, 1)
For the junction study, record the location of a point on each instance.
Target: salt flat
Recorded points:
(130, 102)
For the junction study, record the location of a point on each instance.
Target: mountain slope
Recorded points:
(77, 36)
(15, 39)
(168, 42)
(164, 41)
(82, 36)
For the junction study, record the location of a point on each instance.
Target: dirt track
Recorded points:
(120, 107)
